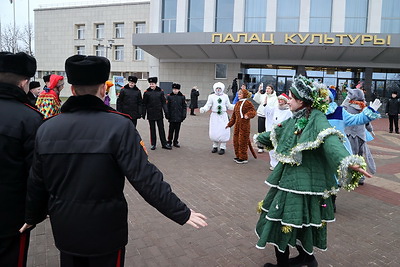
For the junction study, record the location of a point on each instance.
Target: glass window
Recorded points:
(168, 18)
(99, 50)
(287, 17)
(390, 16)
(139, 53)
(356, 16)
(220, 71)
(99, 31)
(196, 16)
(80, 31)
(224, 16)
(320, 15)
(286, 72)
(119, 52)
(255, 16)
(379, 76)
(80, 50)
(140, 27)
(119, 30)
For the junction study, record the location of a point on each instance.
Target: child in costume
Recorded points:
(107, 98)
(176, 103)
(48, 101)
(242, 113)
(218, 103)
(356, 134)
(273, 116)
(297, 208)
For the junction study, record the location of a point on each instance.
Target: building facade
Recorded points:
(104, 29)
(199, 42)
(339, 42)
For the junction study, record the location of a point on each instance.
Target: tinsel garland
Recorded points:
(295, 156)
(349, 178)
(369, 112)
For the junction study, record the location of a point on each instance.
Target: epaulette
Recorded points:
(33, 108)
(120, 113)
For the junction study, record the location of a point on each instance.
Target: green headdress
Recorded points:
(310, 92)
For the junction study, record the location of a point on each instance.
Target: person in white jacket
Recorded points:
(274, 116)
(218, 103)
(260, 98)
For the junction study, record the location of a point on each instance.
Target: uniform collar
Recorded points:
(90, 102)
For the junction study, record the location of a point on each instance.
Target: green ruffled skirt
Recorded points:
(288, 219)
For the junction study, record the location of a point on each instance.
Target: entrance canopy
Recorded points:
(320, 49)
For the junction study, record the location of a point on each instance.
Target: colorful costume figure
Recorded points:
(298, 206)
(339, 118)
(242, 113)
(275, 115)
(107, 98)
(48, 102)
(355, 104)
(218, 103)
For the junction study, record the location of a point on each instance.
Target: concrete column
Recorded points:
(155, 17)
(304, 21)
(181, 15)
(209, 15)
(301, 70)
(374, 19)
(338, 15)
(238, 15)
(272, 6)
(368, 83)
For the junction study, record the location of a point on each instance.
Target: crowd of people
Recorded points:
(63, 162)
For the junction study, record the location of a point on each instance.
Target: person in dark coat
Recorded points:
(18, 124)
(393, 110)
(79, 172)
(130, 100)
(154, 103)
(194, 96)
(176, 103)
(34, 91)
(234, 89)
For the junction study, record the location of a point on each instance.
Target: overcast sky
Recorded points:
(21, 9)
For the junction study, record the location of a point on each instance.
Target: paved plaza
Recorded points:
(366, 231)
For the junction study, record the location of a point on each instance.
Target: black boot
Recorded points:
(303, 259)
(281, 258)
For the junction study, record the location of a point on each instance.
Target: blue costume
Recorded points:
(339, 118)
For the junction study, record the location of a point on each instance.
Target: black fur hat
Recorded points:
(87, 70)
(19, 63)
(132, 79)
(153, 80)
(33, 85)
(46, 78)
(176, 86)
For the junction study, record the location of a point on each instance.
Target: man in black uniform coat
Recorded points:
(130, 100)
(34, 91)
(154, 103)
(176, 103)
(82, 157)
(18, 124)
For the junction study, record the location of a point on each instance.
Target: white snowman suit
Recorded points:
(218, 103)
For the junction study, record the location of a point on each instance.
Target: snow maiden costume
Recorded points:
(219, 104)
(298, 206)
(274, 116)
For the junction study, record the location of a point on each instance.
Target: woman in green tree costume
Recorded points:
(297, 208)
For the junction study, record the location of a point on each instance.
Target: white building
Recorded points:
(199, 42)
(104, 29)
